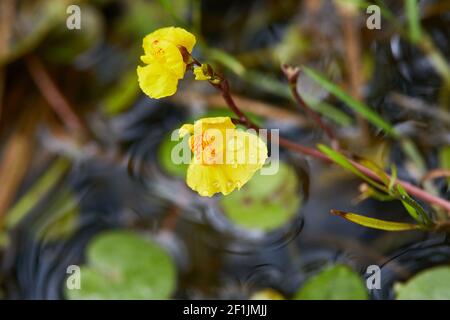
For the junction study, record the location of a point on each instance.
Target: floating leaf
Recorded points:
(266, 202)
(431, 284)
(124, 265)
(375, 223)
(165, 157)
(337, 282)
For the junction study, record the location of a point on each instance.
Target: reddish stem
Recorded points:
(411, 189)
(292, 77)
(53, 95)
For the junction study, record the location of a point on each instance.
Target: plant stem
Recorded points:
(54, 96)
(411, 189)
(292, 77)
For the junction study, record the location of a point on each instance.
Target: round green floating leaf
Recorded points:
(431, 284)
(165, 156)
(266, 202)
(123, 265)
(337, 282)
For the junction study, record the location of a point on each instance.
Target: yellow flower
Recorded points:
(224, 158)
(165, 64)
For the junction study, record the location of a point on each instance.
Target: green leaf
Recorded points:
(60, 219)
(376, 223)
(393, 179)
(431, 284)
(337, 282)
(165, 157)
(124, 265)
(122, 95)
(414, 209)
(444, 160)
(412, 12)
(376, 169)
(375, 194)
(226, 59)
(444, 157)
(341, 160)
(266, 202)
(39, 189)
(357, 106)
(329, 111)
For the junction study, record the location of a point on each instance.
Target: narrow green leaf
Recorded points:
(414, 209)
(444, 160)
(393, 178)
(376, 223)
(227, 60)
(380, 196)
(376, 169)
(341, 160)
(412, 12)
(357, 106)
(329, 111)
(36, 192)
(444, 157)
(122, 95)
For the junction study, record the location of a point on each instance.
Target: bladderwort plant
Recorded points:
(225, 157)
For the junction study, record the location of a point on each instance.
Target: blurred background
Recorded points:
(92, 207)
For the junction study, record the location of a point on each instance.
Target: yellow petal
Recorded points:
(178, 36)
(208, 180)
(157, 81)
(167, 54)
(245, 148)
(246, 154)
(221, 123)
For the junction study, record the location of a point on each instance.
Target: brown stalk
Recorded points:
(291, 74)
(349, 19)
(54, 97)
(16, 157)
